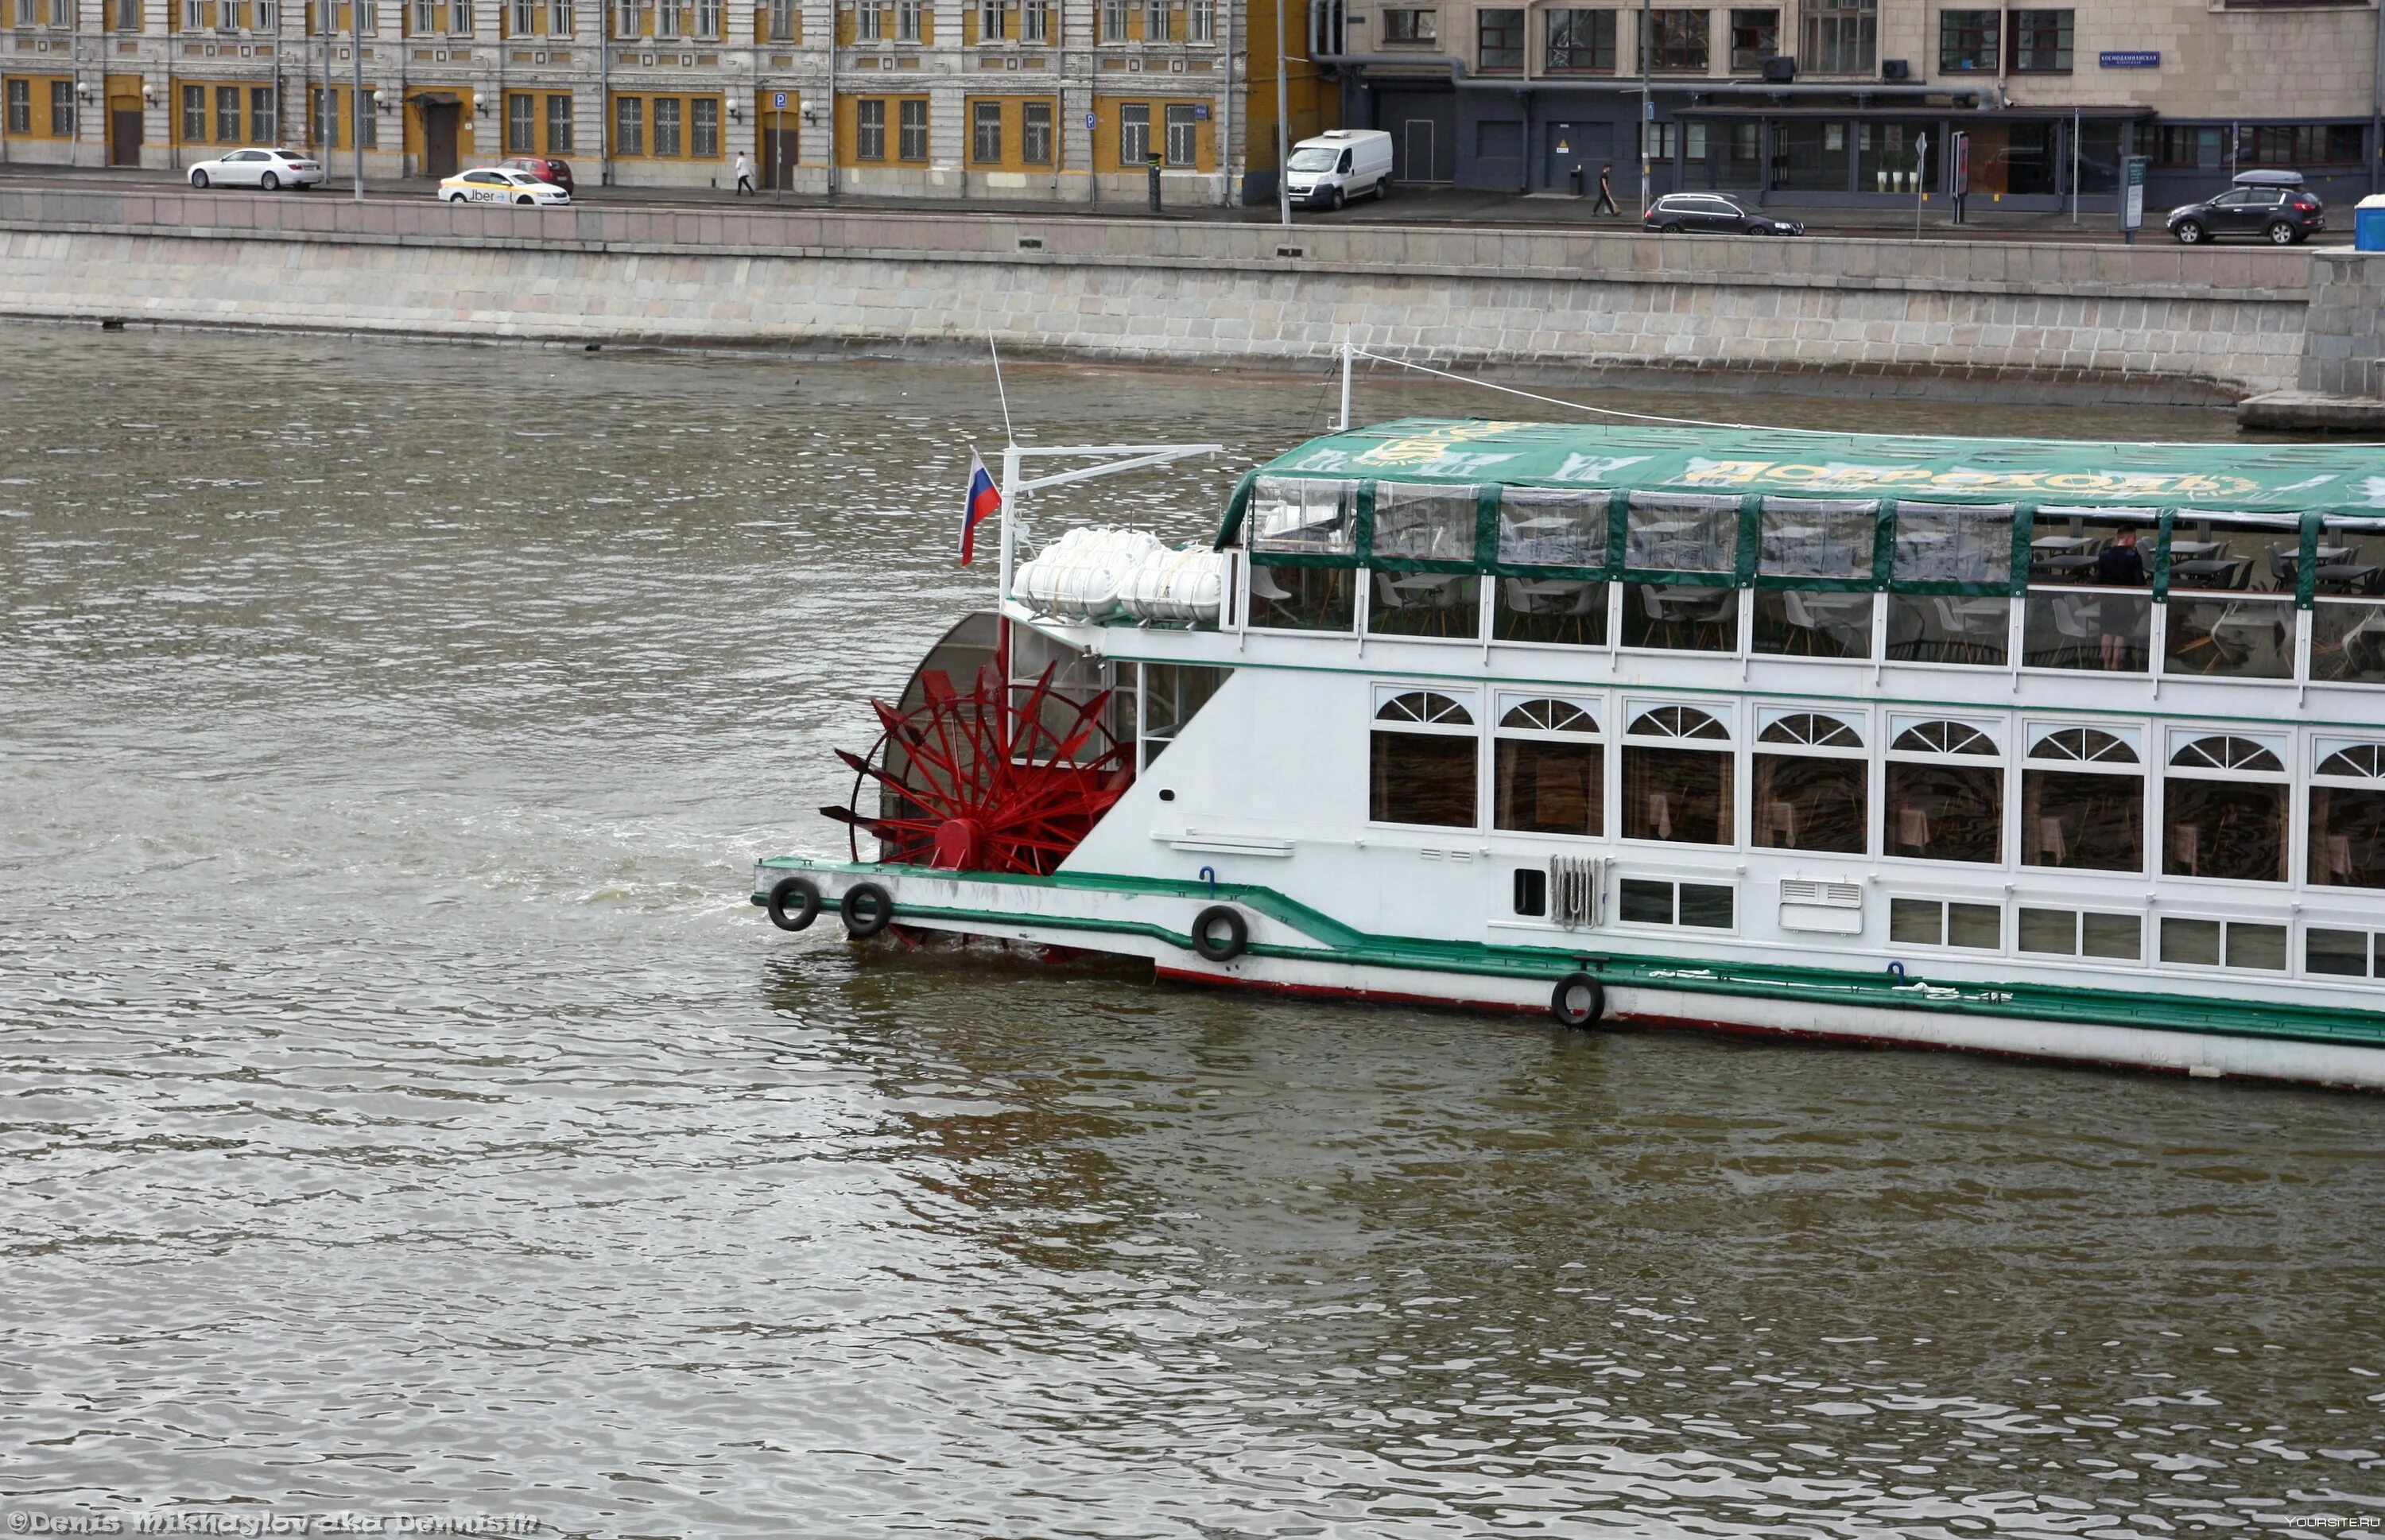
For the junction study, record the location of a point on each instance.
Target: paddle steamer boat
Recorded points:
(2057, 749)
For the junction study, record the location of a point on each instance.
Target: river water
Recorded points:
(402, 1110)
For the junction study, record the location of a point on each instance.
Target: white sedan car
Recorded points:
(266, 169)
(496, 184)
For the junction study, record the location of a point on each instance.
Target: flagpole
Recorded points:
(1009, 537)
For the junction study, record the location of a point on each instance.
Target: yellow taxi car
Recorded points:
(496, 184)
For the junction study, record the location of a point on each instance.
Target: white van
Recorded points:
(1332, 169)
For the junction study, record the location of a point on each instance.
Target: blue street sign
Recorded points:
(2129, 59)
(777, 98)
(1089, 122)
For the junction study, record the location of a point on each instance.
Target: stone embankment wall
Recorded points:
(2152, 322)
(2344, 346)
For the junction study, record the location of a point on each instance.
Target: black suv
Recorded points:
(2271, 205)
(1712, 213)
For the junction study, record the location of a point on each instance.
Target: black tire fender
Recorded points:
(1579, 1000)
(867, 910)
(795, 903)
(1220, 934)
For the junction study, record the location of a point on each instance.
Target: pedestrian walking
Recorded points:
(1606, 204)
(744, 176)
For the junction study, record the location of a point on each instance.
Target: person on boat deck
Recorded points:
(2120, 564)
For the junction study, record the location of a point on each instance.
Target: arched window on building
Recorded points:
(2082, 801)
(1946, 798)
(2347, 817)
(2224, 810)
(1677, 780)
(1811, 778)
(1422, 760)
(1549, 770)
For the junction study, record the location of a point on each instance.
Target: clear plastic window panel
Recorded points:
(1543, 527)
(1954, 543)
(1807, 537)
(1312, 518)
(1670, 533)
(1424, 523)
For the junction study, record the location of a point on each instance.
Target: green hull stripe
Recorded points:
(1343, 944)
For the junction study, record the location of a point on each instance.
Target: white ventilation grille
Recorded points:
(1826, 908)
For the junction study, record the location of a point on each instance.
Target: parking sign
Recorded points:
(777, 98)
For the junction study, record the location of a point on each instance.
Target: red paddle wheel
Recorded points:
(1003, 778)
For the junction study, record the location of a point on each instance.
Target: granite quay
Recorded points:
(2143, 323)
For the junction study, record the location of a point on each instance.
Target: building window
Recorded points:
(1421, 763)
(1035, 133)
(1035, 21)
(227, 113)
(1134, 133)
(2041, 43)
(1113, 20)
(1183, 136)
(992, 21)
(459, 18)
(21, 109)
(870, 130)
(1755, 37)
(521, 123)
(1499, 38)
(1201, 22)
(911, 126)
(325, 108)
(908, 27)
(626, 18)
(2082, 802)
(1303, 518)
(782, 20)
(62, 110)
(670, 18)
(558, 19)
(230, 15)
(1814, 557)
(704, 128)
(524, 20)
(126, 14)
(1944, 805)
(1692, 536)
(869, 19)
(666, 126)
(558, 125)
(628, 125)
(2347, 817)
(1676, 788)
(1577, 40)
(1548, 769)
(1939, 922)
(421, 20)
(1648, 901)
(1841, 37)
(1680, 42)
(2224, 810)
(1811, 779)
(707, 19)
(985, 132)
(1968, 40)
(264, 116)
(2300, 144)
(1154, 20)
(1949, 599)
(1409, 24)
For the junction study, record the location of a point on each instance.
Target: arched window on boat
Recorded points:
(1548, 768)
(1302, 536)
(1682, 556)
(2232, 580)
(2224, 807)
(1813, 576)
(1811, 776)
(1946, 793)
(2091, 576)
(1950, 583)
(1423, 758)
(1677, 777)
(1423, 579)
(2347, 815)
(2082, 799)
(1553, 583)
(2348, 606)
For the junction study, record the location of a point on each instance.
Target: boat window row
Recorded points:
(2178, 592)
(2218, 802)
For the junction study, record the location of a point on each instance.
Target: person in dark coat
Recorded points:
(1606, 204)
(2120, 564)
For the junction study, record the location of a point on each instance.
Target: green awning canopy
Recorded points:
(2216, 478)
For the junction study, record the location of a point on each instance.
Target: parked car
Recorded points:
(496, 184)
(1711, 213)
(544, 168)
(266, 169)
(1333, 167)
(2272, 205)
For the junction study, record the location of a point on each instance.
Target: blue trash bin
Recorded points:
(2368, 224)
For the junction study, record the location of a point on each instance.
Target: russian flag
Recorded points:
(983, 499)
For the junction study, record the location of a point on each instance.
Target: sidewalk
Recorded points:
(1436, 205)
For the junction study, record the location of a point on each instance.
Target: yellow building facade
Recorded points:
(1066, 100)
